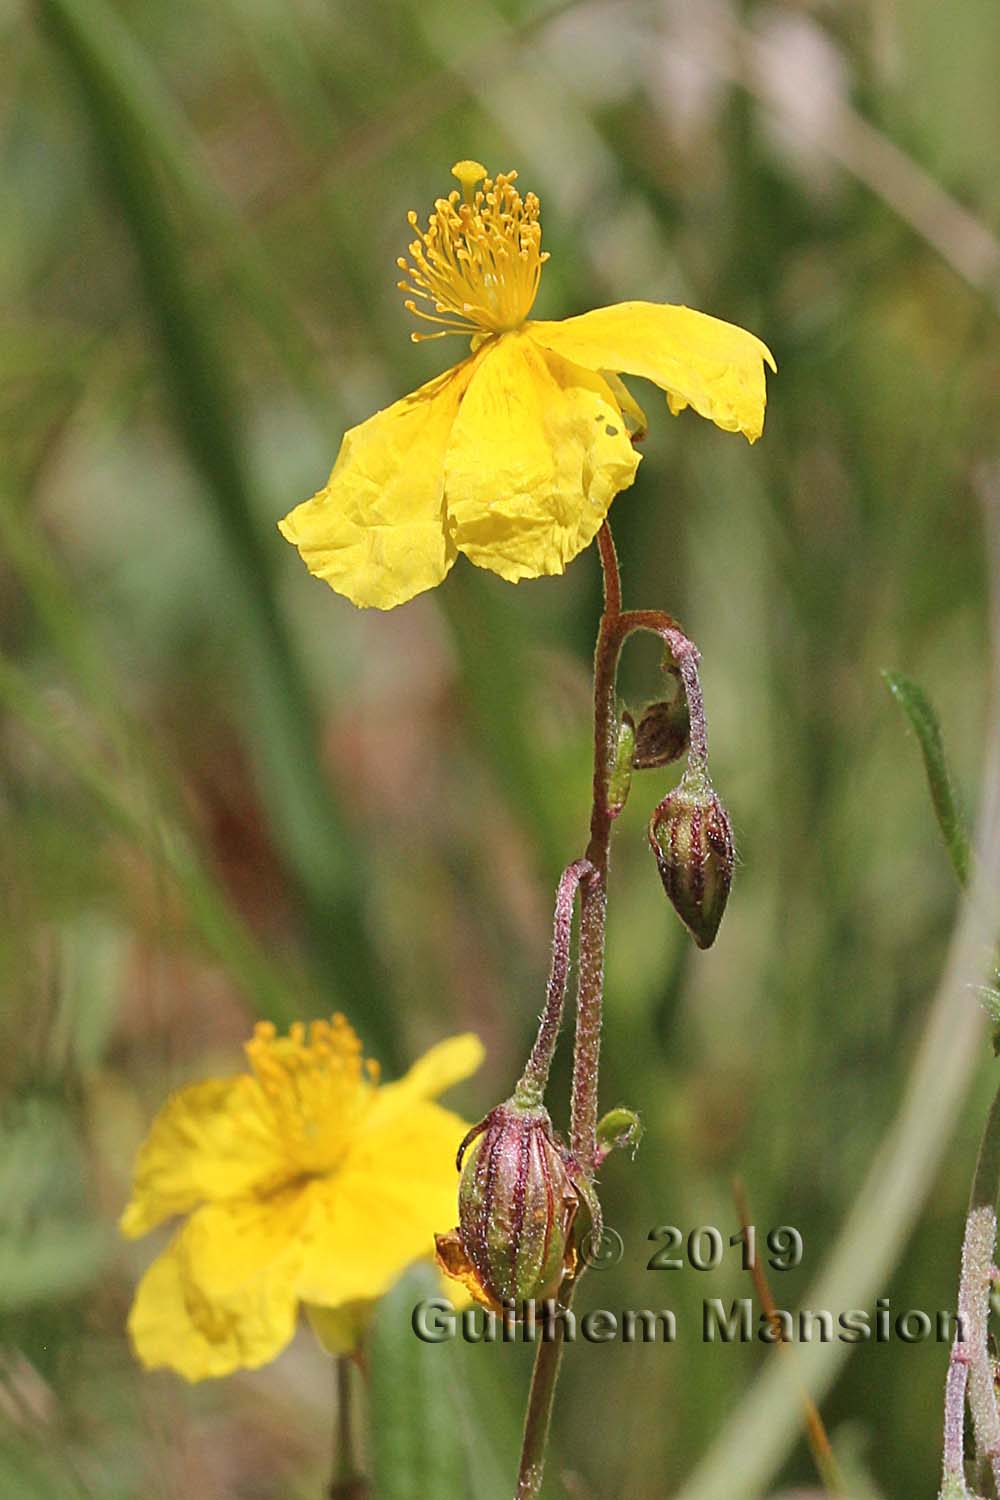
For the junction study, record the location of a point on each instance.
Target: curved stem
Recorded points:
(687, 657)
(531, 1086)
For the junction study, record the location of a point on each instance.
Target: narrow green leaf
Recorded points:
(944, 795)
(415, 1432)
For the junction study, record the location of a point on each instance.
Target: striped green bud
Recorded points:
(692, 838)
(516, 1206)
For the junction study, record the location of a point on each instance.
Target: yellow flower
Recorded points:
(305, 1181)
(513, 456)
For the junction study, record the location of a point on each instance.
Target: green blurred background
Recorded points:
(226, 793)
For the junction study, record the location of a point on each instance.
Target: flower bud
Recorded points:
(692, 838)
(516, 1205)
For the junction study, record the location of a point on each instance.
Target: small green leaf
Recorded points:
(620, 777)
(618, 1130)
(951, 818)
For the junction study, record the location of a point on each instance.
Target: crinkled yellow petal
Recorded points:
(210, 1141)
(699, 361)
(222, 1296)
(537, 453)
(445, 1064)
(379, 1212)
(376, 530)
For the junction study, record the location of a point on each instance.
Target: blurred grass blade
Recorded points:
(160, 830)
(498, 674)
(275, 995)
(67, 625)
(415, 1434)
(147, 106)
(275, 36)
(315, 844)
(51, 1247)
(951, 818)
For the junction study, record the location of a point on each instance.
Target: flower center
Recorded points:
(477, 265)
(317, 1087)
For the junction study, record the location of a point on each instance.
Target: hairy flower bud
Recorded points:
(692, 838)
(516, 1204)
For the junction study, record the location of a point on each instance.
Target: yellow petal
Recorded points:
(446, 1063)
(222, 1295)
(210, 1140)
(636, 422)
(699, 361)
(376, 530)
(458, 1271)
(230, 1249)
(379, 1212)
(537, 453)
(341, 1329)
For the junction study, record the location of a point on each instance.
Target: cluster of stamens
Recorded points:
(315, 1083)
(477, 266)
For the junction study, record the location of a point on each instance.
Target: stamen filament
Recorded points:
(480, 258)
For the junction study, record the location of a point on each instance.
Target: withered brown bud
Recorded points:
(662, 734)
(516, 1206)
(692, 838)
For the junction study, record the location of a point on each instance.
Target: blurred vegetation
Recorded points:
(226, 793)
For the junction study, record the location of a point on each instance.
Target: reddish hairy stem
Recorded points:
(687, 656)
(536, 1423)
(531, 1087)
(970, 1374)
(593, 897)
(616, 626)
(609, 566)
(593, 902)
(591, 877)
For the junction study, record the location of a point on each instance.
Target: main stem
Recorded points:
(594, 894)
(593, 908)
(969, 1371)
(590, 877)
(347, 1483)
